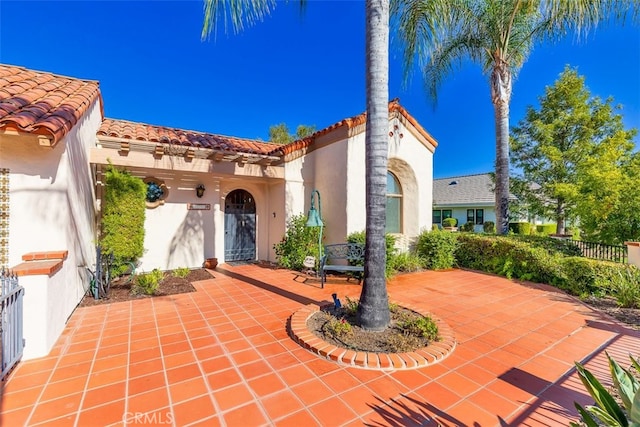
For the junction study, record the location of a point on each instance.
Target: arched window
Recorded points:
(394, 204)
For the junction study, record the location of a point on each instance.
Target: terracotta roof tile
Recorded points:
(43, 103)
(151, 133)
(351, 122)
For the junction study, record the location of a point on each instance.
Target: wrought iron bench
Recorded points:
(352, 255)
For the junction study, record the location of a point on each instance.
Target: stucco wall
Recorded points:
(178, 237)
(52, 208)
(412, 163)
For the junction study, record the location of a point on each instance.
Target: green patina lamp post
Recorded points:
(314, 219)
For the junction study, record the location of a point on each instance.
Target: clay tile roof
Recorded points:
(43, 103)
(160, 134)
(351, 122)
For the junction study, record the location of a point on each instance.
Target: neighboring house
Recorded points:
(467, 198)
(223, 197)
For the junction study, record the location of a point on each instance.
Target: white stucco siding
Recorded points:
(356, 186)
(332, 165)
(52, 194)
(412, 163)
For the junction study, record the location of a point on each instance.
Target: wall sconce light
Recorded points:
(200, 190)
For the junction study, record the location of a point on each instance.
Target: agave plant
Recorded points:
(606, 410)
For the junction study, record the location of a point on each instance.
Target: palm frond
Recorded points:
(237, 12)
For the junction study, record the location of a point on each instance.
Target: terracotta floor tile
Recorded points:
(282, 360)
(458, 384)
(146, 383)
(231, 397)
(144, 355)
(332, 412)
(341, 381)
(223, 379)
(216, 364)
(248, 415)
(281, 404)
(255, 369)
(110, 376)
(186, 390)
(361, 399)
(312, 392)
(245, 356)
(56, 408)
(80, 369)
(492, 403)
(145, 368)
(191, 411)
(386, 388)
(19, 399)
(55, 390)
(110, 413)
(148, 402)
(110, 362)
(182, 373)
(300, 418)
(103, 395)
(438, 395)
(17, 417)
(266, 385)
(296, 375)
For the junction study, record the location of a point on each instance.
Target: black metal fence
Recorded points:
(602, 251)
(11, 322)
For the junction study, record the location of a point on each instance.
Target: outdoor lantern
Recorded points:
(314, 219)
(200, 190)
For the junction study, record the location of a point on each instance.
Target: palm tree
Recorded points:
(498, 35)
(373, 310)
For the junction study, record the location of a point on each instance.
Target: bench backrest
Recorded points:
(353, 252)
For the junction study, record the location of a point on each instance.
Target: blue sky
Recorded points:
(294, 68)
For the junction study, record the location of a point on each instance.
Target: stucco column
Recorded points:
(633, 250)
(218, 223)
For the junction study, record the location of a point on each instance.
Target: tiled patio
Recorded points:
(222, 356)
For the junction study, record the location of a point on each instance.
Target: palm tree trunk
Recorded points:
(373, 310)
(501, 96)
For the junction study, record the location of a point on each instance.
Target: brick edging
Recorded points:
(426, 356)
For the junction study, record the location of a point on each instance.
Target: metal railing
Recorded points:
(602, 251)
(11, 321)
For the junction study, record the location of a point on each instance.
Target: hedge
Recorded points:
(541, 260)
(522, 228)
(437, 248)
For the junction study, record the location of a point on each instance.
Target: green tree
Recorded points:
(609, 201)
(498, 35)
(373, 311)
(567, 150)
(280, 134)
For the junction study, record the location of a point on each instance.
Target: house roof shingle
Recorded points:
(43, 103)
(464, 190)
(165, 135)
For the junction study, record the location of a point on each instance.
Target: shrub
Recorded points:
(507, 257)
(148, 283)
(626, 288)
(437, 248)
(423, 326)
(521, 228)
(406, 262)
(299, 242)
(339, 328)
(546, 229)
(351, 307)
(553, 246)
(584, 276)
(123, 213)
(468, 226)
(390, 243)
(610, 411)
(489, 227)
(449, 222)
(181, 272)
